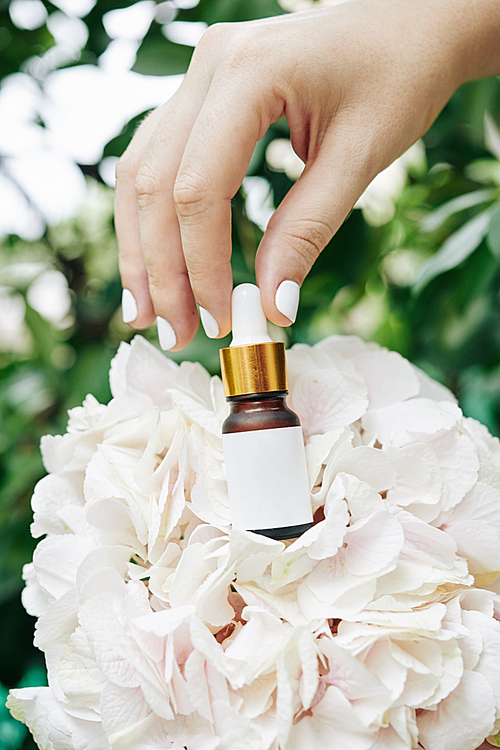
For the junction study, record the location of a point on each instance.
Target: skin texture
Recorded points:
(358, 82)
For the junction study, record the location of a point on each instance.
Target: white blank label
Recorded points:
(267, 478)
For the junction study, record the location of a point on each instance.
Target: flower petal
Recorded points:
(462, 720)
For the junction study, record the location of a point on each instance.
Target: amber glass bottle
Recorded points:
(262, 438)
(264, 411)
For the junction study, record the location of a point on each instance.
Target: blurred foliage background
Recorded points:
(415, 267)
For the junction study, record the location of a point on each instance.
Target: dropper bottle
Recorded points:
(262, 438)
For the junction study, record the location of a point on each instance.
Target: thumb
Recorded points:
(304, 223)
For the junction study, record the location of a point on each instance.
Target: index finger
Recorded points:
(236, 113)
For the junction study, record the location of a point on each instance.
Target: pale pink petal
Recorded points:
(331, 591)
(489, 658)
(462, 720)
(321, 448)
(419, 479)
(373, 543)
(343, 346)
(115, 557)
(283, 603)
(35, 600)
(111, 645)
(57, 559)
(361, 686)
(234, 730)
(149, 371)
(117, 377)
(108, 514)
(58, 621)
(190, 574)
(79, 677)
(292, 565)
(475, 526)
(203, 684)
(425, 542)
(331, 532)
(457, 461)
(191, 731)
(362, 500)
(163, 623)
(411, 420)
(51, 494)
(419, 689)
(370, 465)
(430, 388)
(193, 393)
(390, 672)
(257, 696)
(51, 726)
(389, 377)
(328, 400)
(389, 739)
(254, 648)
(334, 723)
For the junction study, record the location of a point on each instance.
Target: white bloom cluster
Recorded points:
(162, 627)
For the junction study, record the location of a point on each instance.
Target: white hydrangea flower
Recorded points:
(163, 627)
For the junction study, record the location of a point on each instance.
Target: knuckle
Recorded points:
(205, 273)
(147, 184)
(127, 266)
(196, 272)
(156, 284)
(126, 168)
(308, 239)
(191, 194)
(243, 54)
(211, 43)
(214, 35)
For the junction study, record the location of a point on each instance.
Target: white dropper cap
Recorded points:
(249, 321)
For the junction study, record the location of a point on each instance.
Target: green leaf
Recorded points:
(479, 395)
(495, 740)
(158, 56)
(493, 238)
(12, 732)
(23, 468)
(89, 374)
(436, 218)
(223, 11)
(485, 171)
(456, 249)
(44, 334)
(117, 145)
(491, 135)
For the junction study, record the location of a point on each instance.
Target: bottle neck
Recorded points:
(271, 400)
(259, 411)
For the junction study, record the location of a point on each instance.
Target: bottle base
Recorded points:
(283, 532)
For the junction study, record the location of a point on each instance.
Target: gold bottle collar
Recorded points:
(254, 368)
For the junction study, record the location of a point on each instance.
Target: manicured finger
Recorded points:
(307, 219)
(136, 298)
(169, 284)
(236, 113)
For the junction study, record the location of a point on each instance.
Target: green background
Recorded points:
(421, 278)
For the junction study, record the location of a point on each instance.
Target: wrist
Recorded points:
(474, 28)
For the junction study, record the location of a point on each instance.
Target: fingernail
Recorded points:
(166, 334)
(287, 299)
(129, 306)
(209, 324)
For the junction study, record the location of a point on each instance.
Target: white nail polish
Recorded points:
(129, 306)
(287, 299)
(166, 334)
(209, 323)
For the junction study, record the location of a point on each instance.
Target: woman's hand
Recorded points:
(358, 82)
